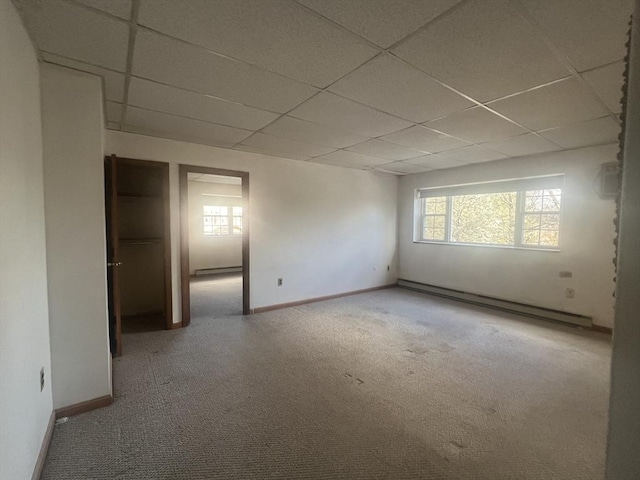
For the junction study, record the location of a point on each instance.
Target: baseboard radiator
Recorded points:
(212, 271)
(498, 304)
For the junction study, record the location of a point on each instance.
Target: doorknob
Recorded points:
(114, 264)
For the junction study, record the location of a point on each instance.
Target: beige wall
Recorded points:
(72, 128)
(24, 323)
(324, 230)
(526, 276)
(210, 251)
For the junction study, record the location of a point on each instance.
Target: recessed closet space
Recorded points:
(142, 226)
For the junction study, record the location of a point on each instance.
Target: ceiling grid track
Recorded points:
(375, 49)
(133, 30)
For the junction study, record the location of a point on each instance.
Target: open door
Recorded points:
(184, 171)
(138, 247)
(113, 255)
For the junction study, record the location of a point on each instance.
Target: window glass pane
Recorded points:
(551, 203)
(237, 221)
(532, 204)
(436, 205)
(438, 222)
(237, 211)
(531, 221)
(224, 230)
(237, 230)
(484, 218)
(434, 234)
(550, 221)
(531, 237)
(549, 238)
(208, 220)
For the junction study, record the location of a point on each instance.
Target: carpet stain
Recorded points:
(454, 448)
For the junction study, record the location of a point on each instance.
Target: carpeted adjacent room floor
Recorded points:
(389, 384)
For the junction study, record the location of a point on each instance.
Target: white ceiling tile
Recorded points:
(338, 163)
(607, 83)
(153, 96)
(184, 127)
(589, 32)
(113, 111)
(485, 51)
(436, 162)
(476, 125)
(118, 8)
(332, 110)
(561, 103)
(286, 146)
(113, 81)
(473, 154)
(174, 136)
(278, 35)
(196, 69)
(271, 153)
(404, 167)
(353, 158)
(296, 129)
(421, 138)
(378, 148)
(391, 85)
(527, 144)
(593, 132)
(76, 32)
(381, 21)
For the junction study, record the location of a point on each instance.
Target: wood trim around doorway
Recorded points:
(184, 235)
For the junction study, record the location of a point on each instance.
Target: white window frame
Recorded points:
(230, 216)
(518, 186)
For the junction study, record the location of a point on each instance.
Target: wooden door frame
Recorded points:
(166, 212)
(184, 171)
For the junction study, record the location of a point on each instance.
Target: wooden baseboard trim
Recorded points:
(601, 329)
(278, 306)
(176, 325)
(44, 448)
(83, 407)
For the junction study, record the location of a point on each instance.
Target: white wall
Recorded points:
(324, 230)
(210, 251)
(24, 325)
(623, 461)
(72, 127)
(526, 276)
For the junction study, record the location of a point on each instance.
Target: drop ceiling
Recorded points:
(399, 86)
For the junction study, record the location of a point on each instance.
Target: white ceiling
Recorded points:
(401, 86)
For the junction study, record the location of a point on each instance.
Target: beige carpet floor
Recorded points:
(390, 384)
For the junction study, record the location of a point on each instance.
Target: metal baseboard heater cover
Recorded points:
(520, 308)
(212, 271)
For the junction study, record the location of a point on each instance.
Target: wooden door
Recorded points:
(113, 255)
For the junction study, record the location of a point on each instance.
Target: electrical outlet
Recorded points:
(279, 282)
(570, 293)
(42, 379)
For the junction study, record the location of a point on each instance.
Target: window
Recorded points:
(221, 220)
(521, 213)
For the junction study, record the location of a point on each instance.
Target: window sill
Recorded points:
(507, 247)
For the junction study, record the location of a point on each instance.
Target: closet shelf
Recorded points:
(141, 240)
(132, 195)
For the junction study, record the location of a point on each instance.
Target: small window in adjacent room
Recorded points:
(518, 213)
(221, 220)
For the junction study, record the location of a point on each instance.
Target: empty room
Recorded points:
(319, 239)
